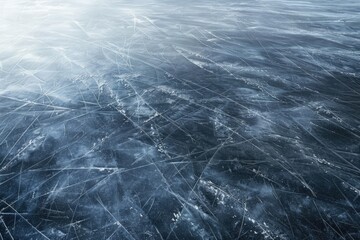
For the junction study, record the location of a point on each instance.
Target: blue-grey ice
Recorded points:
(233, 119)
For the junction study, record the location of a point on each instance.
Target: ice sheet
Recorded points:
(179, 119)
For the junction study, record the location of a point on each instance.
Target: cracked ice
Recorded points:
(179, 119)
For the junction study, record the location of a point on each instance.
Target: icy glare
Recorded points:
(180, 119)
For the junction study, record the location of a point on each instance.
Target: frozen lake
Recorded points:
(180, 119)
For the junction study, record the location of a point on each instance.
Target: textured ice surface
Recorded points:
(179, 119)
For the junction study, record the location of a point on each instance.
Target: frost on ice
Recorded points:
(179, 120)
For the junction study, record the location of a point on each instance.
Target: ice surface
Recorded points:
(180, 119)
